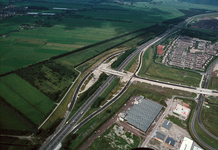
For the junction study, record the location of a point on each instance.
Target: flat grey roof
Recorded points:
(160, 136)
(141, 115)
(167, 124)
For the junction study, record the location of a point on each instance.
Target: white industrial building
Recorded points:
(182, 110)
(186, 144)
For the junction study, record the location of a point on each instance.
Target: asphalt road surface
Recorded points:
(72, 123)
(64, 131)
(200, 104)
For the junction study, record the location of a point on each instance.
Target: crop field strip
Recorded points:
(82, 56)
(68, 34)
(14, 99)
(42, 43)
(24, 97)
(30, 93)
(9, 121)
(25, 51)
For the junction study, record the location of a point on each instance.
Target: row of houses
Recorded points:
(196, 59)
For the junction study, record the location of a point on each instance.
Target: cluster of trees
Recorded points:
(200, 35)
(97, 102)
(44, 133)
(67, 142)
(103, 97)
(38, 7)
(115, 20)
(36, 72)
(116, 63)
(60, 69)
(193, 11)
(14, 132)
(111, 9)
(144, 40)
(93, 88)
(15, 143)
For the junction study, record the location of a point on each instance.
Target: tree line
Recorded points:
(93, 88)
(120, 59)
(103, 97)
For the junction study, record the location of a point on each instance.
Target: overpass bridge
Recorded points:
(114, 72)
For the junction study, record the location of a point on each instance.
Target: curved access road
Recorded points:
(64, 131)
(72, 123)
(200, 104)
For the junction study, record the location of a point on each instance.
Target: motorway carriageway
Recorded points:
(64, 131)
(72, 123)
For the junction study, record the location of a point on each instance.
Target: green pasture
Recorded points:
(132, 65)
(146, 61)
(9, 121)
(111, 140)
(210, 119)
(25, 98)
(21, 104)
(213, 83)
(160, 71)
(28, 92)
(212, 99)
(81, 56)
(204, 136)
(93, 24)
(27, 47)
(186, 4)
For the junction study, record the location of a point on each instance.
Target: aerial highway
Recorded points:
(59, 136)
(200, 104)
(72, 125)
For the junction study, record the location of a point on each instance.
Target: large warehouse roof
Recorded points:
(141, 115)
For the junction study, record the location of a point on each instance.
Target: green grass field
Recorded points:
(28, 92)
(81, 56)
(212, 99)
(132, 65)
(146, 61)
(100, 22)
(25, 98)
(30, 46)
(204, 136)
(213, 83)
(209, 119)
(10, 122)
(110, 139)
(160, 71)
